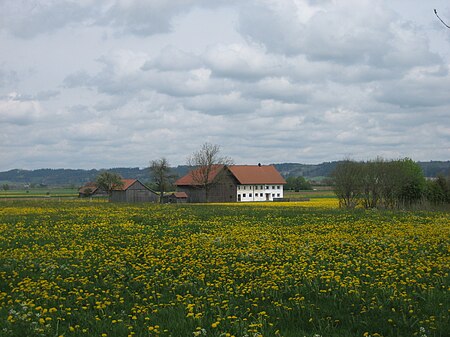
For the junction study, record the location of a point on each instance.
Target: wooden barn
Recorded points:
(133, 191)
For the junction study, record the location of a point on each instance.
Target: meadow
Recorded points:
(39, 192)
(77, 268)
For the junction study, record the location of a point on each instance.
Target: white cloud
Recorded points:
(241, 61)
(14, 111)
(172, 58)
(222, 104)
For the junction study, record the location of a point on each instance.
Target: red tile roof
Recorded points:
(189, 179)
(256, 174)
(245, 174)
(90, 187)
(126, 184)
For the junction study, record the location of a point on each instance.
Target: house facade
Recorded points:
(259, 192)
(133, 191)
(235, 183)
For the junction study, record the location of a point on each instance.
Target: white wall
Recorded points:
(259, 192)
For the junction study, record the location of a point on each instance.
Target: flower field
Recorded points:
(74, 268)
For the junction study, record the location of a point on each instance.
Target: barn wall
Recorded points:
(118, 196)
(224, 191)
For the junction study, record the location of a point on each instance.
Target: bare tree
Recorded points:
(162, 177)
(435, 12)
(206, 164)
(347, 183)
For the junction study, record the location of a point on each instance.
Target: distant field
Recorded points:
(294, 269)
(40, 193)
(326, 193)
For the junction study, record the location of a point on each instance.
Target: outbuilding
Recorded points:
(176, 198)
(133, 190)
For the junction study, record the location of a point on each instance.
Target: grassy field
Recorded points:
(39, 193)
(75, 268)
(292, 195)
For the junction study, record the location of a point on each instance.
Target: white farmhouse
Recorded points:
(257, 182)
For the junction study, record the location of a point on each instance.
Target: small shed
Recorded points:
(91, 190)
(133, 191)
(176, 198)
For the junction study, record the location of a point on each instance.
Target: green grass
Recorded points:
(292, 195)
(75, 268)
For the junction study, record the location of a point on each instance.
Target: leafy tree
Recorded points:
(206, 162)
(109, 181)
(161, 175)
(379, 183)
(410, 183)
(438, 191)
(5, 187)
(297, 184)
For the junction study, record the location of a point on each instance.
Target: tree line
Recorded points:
(386, 184)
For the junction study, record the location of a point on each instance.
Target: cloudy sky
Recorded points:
(117, 83)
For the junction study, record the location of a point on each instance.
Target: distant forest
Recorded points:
(78, 177)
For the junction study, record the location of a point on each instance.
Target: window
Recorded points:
(239, 187)
(273, 194)
(278, 187)
(278, 194)
(250, 195)
(261, 194)
(244, 187)
(267, 187)
(243, 195)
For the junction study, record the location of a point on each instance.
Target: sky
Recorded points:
(118, 83)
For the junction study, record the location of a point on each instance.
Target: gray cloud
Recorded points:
(421, 88)
(173, 59)
(304, 81)
(8, 78)
(27, 19)
(370, 33)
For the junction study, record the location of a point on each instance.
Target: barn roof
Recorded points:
(90, 187)
(245, 174)
(256, 174)
(190, 178)
(126, 184)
